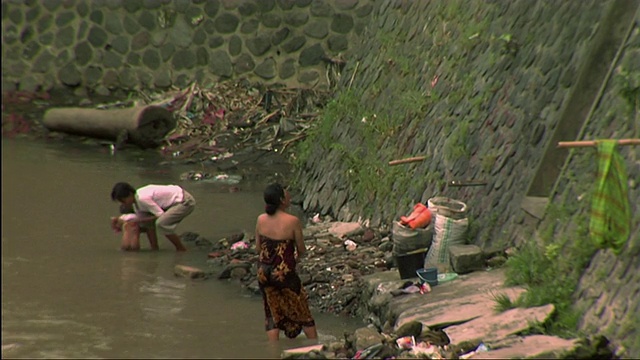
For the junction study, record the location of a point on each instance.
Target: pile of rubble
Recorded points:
(217, 121)
(338, 256)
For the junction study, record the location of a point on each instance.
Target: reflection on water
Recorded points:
(68, 292)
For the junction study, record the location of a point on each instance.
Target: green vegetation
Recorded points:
(503, 302)
(550, 270)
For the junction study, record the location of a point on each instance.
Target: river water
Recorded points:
(68, 292)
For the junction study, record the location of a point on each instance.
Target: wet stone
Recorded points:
(131, 26)
(31, 14)
(65, 18)
(43, 62)
(247, 9)
(211, 8)
(64, 37)
(52, 5)
(162, 79)
(44, 23)
(97, 37)
(158, 38)
(120, 44)
(259, 44)
(113, 25)
(317, 29)
(134, 59)
(183, 59)
(209, 26)
(296, 18)
(235, 45)
(27, 34)
(127, 78)
(286, 4)
(202, 56)
(302, 3)
(82, 30)
(270, 20)
(220, 63)
(226, 23)
(131, 6)
(140, 40)
(312, 55)
(31, 49)
(112, 60)
(200, 37)
(181, 34)
(69, 75)
(46, 38)
(267, 69)
(280, 35)
(364, 10)
(92, 75)
(249, 26)
(96, 16)
(151, 4)
(287, 69)
(342, 23)
(265, 6)
(320, 8)
(307, 77)
(166, 51)
(151, 59)
(147, 20)
(216, 42)
(294, 44)
(346, 4)
(15, 16)
(337, 43)
(244, 63)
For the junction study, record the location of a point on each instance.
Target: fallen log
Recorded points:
(144, 126)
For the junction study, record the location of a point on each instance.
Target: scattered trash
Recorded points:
(239, 245)
(406, 342)
(208, 177)
(350, 245)
(316, 218)
(419, 218)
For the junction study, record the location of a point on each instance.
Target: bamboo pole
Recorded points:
(567, 144)
(407, 160)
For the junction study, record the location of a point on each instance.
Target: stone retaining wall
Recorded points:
(102, 45)
(491, 79)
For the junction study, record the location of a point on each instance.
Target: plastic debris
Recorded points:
(239, 245)
(350, 245)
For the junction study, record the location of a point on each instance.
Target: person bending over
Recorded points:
(280, 244)
(167, 204)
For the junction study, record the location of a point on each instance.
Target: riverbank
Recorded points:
(471, 316)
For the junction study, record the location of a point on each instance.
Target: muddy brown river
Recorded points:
(68, 292)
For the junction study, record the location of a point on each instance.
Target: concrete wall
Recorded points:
(102, 45)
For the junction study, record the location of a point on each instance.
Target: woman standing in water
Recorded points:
(280, 244)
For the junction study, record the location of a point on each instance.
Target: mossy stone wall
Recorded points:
(103, 45)
(478, 88)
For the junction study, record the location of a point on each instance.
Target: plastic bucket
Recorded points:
(409, 263)
(428, 275)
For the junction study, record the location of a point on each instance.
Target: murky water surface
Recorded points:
(68, 292)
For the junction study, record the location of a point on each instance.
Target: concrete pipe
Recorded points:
(144, 126)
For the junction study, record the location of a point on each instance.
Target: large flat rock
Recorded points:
(494, 326)
(534, 346)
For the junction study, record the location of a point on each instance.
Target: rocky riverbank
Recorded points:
(471, 316)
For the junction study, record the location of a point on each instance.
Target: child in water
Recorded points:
(130, 225)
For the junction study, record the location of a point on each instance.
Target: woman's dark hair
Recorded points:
(273, 196)
(122, 190)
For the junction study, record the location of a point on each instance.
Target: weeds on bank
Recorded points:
(550, 270)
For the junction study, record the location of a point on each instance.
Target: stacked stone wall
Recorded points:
(491, 78)
(104, 45)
